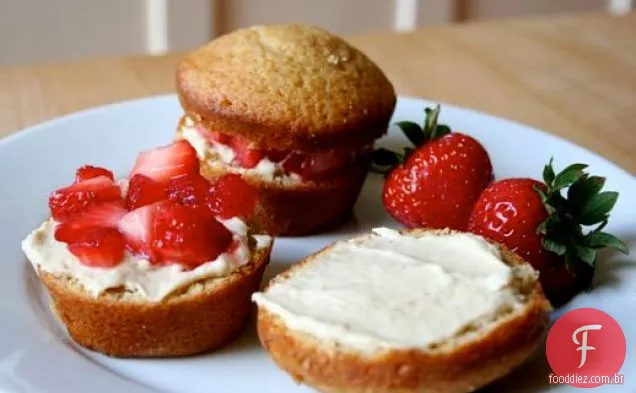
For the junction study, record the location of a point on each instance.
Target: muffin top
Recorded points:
(287, 85)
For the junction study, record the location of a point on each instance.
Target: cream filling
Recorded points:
(137, 275)
(222, 156)
(394, 291)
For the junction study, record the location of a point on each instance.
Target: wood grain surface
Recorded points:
(574, 76)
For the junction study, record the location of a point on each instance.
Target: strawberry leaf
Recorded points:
(385, 157)
(568, 176)
(542, 195)
(413, 132)
(603, 239)
(583, 190)
(554, 246)
(440, 131)
(597, 208)
(548, 173)
(586, 254)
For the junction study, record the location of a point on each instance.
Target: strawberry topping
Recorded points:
(170, 213)
(245, 155)
(231, 196)
(99, 247)
(309, 166)
(79, 197)
(316, 165)
(89, 172)
(190, 190)
(167, 162)
(105, 215)
(143, 191)
(136, 226)
(187, 235)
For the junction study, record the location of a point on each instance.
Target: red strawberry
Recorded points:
(439, 182)
(104, 215)
(100, 247)
(137, 227)
(231, 196)
(246, 156)
(88, 172)
(535, 220)
(66, 202)
(167, 162)
(214, 137)
(190, 190)
(187, 236)
(312, 166)
(143, 191)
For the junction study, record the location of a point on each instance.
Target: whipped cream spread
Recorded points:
(220, 155)
(136, 275)
(390, 290)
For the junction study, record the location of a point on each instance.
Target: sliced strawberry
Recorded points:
(316, 165)
(76, 198)
(143, 191)
(245, 155)
(231, 196)
(190, 190)
(167, 162)
(137, 227)
(187, 236)
(89, 172)
(100, 247)
(213, 137)
(104, 215)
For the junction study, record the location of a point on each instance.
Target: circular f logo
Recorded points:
(588, 344)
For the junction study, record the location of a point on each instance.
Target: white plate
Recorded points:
(36, 354)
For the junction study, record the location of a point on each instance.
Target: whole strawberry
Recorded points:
(436, 184)
(544, 223)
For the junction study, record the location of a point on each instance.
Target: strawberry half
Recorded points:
(436, 183)
(67, 202)
(187, 235)
(245, 155)
(143, 191)
(89, 172)
(231, 196)
(190, 190)
(104, 215)
(100, 247)
(545, 225)
(313, 166)
(137, 227)
(167, 162)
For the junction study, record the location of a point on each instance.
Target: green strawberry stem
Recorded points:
(574, 200)
(385, 160)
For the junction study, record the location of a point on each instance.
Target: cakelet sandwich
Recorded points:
(160, 263)
(426, 311)
(295, 111)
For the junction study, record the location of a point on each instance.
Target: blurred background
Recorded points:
(37, 31)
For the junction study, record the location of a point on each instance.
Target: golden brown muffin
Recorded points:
(203, 316)
(475, 357)
(287, 90)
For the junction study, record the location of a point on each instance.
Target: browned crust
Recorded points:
(464, 368)
(182, 324)
(288, 87)
(305, 208)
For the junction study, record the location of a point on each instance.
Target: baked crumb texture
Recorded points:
(201, 317)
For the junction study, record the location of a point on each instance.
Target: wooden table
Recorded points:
(574, 76)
